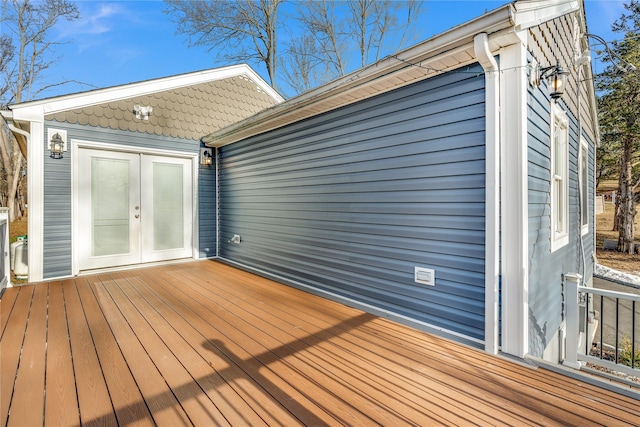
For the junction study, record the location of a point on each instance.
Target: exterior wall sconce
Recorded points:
(556, 79)
(56, 146)
(57, 143)
(206, 156)
(142, 112)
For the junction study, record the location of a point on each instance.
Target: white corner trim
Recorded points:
(35, 199)
(514, 206)
(195, 207)
(492, 191)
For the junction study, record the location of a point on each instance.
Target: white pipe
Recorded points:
(492, 189)
(20, 131)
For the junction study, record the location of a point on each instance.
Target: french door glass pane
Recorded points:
(168, 221)
(110, 209)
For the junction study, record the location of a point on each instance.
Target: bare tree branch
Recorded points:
(236, 30)
(26, 54)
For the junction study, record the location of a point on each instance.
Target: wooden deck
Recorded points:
(204, 343)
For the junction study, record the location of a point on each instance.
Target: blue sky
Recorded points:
(119, 42)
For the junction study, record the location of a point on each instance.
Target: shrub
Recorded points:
(624, 354)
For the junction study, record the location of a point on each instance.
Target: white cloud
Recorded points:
(95, 19)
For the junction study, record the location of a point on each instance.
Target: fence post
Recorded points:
(571, 282)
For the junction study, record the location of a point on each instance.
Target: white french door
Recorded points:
(132, 208)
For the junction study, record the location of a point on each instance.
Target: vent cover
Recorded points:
(425, 276)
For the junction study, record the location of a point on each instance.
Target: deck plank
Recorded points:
(205, 343)
(505, 373)
(345, 342)
(11, 346)
(166, 322)
(224, 337)
(130, 408)
(317, 349)
(362, 354)
(197, 405)
(93, 396)
(6, 306)
(259, 385)
(161, 401)
(60, 380)
(27, 406)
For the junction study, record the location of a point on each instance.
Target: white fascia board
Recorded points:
(32, 109)
(446, 43)
(588, 77)
(535, 12)
(30, 113)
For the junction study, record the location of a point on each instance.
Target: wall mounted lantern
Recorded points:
(556, 79)
(56, 146)
(206, 156)
(142, 112)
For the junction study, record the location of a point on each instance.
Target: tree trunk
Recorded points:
(11, 161)
(617, 214)
(626, 212)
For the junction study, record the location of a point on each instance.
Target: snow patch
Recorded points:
(616, 276)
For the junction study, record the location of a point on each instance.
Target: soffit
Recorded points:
(185, 112)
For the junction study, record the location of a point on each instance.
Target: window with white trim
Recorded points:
(583, 170)
(559, 178)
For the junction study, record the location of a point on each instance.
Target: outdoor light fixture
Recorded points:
(56, 146)
(142, 112)
(206, 156)
(556, 79)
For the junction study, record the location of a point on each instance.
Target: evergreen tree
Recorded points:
(619, 107)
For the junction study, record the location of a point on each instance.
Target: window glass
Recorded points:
(559, 178)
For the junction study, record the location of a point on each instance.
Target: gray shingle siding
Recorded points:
(351, 200)
(545, 267)
(57, 261)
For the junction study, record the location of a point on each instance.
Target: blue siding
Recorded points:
(546, 268)
(57, 216)
(207, 211)
(350, 201)
(57, 238)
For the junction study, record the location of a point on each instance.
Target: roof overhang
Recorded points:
(449, 50)
(36, 110)
(530, 13)
(446, 51)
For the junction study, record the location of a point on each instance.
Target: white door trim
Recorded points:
(77, 144)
